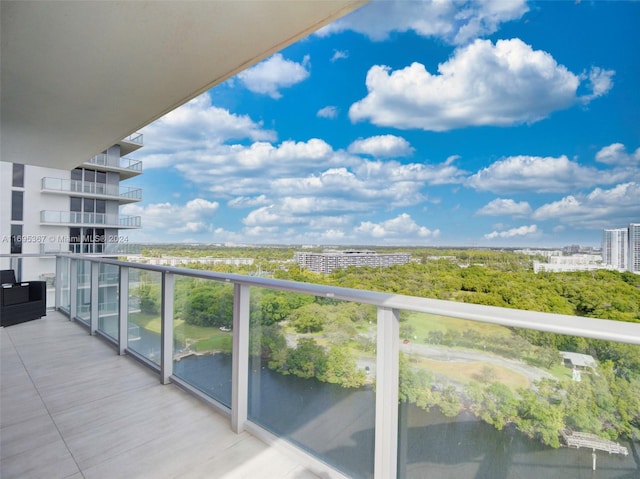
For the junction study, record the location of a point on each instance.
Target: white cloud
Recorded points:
(514, 232)
(158, 219)
(542, 175)
(339, 55)
(195, 127)
(397, 228)
(600, 82)
(273, 74)
(382, 146)
(455, 22)
(601, 207)
(500, 207)
(616, 154)
(327, 112)
(481, 84)
(248, 202)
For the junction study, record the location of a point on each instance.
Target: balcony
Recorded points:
(122, 194)
(126, 167)
(100, 220)
(441, 428)
(131, 143)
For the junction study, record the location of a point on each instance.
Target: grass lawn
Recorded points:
(424, 323)
(465, 372)
(203, 338)
(220, 342)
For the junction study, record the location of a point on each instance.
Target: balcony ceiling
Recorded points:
(76, 77)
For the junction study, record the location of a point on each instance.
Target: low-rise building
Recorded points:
(329, 260)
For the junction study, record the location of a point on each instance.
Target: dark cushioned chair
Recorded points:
(20, 302)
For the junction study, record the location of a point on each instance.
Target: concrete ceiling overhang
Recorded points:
(78, 76)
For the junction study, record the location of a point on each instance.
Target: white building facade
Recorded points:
(47, 210)
(614, 248)
(327, 261)
(633, 263)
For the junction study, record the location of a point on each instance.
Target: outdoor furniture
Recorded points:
(20, 302)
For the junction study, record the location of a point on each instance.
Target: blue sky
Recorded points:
(463, 123)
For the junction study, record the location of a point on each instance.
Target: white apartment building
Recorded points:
(327, 261)
(614, 248)
(47, 210)
(633, 263)
(576, 262)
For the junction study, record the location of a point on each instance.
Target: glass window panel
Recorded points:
(89, 205)
(75, 203)
(312, 369)
(89, 176)
(17, 203)
(202, 335)
(16, 239)
(145, 300)
(101, 206)
(18, 175)
(76, 174)
(101, 177)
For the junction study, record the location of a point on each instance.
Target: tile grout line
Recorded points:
(44, 404)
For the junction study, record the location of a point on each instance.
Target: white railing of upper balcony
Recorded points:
(134, 138)
(99, 189)
(123, 163)
(77, 217)
(241, 390)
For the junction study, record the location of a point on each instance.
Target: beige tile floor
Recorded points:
(70, 407)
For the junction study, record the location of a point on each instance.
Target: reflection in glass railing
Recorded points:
(145, 301)
(312, 370)
(203, 316)
(108, 300)
(486, 401)
(83, 293)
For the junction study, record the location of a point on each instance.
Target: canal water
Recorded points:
(337, 425)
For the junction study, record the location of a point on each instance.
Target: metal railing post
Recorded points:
(95, 290)
(166, 345)
(73, 289)
(123, 317)
(387, 382)
(58, 286)
(240, 354)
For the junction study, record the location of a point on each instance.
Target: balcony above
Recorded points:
(121, 194)
(131, 143)
(127, 167)
(91, 220)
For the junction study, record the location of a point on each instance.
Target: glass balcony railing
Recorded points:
(118, 163)
(87, 219)
(91, 189)
(379, 385)
(134, 138)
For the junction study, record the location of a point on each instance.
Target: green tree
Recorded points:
(340, 368)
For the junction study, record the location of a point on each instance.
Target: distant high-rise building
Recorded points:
(614, 248)
(633, 264)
